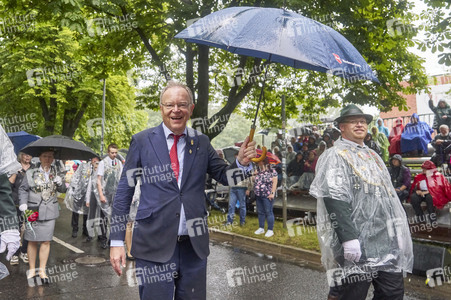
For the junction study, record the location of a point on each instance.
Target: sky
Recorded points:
(431, 64)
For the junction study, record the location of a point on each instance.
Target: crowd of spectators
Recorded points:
(408, 140)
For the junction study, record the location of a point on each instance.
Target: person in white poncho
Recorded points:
(362, 227)
(9, 233)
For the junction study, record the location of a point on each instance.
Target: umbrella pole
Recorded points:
(284, 166)
(253, 126)
(102, 143)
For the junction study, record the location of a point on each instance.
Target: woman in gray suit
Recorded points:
(38, 192)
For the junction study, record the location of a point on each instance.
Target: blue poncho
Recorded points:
(416, 135)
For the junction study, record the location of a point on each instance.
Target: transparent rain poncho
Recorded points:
(3, 271)
(357, 175)
(76, 193)
(110, 181)
(8, 159)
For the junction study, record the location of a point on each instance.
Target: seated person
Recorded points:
(400, 177)
(295, 168)
(382, 141)
(442, 113)
(440, 142)
(290, 154)
(311, 143)
(328, 140)
(381, 128)
(307, 177)
(416, 137)
(321, 148)
(395, 137)
(372, 144)
(431, 187)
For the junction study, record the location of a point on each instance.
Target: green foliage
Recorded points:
(113, 38)
(437, 18)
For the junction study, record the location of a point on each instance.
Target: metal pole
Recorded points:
(102, 144)
(284, 166)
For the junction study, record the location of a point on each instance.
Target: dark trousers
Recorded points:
(74, 222)
(416, 200)
(183, 277)
(387, 285)
(103, 226)
(23, 248)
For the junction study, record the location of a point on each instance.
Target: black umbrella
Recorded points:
(229, 153)
(64, 147)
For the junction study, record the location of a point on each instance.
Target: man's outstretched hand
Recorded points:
(247, 152)
(117, 259)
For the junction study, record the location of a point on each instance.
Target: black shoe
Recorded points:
(85, 233)
(74, 234)
(44, 280)
(89, 238)
(104, 244)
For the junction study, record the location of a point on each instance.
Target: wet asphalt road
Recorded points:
(71, 280)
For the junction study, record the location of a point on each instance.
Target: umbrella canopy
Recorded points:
(21, 139)
(65, 148)
(229, 153)
(273, 159)
(282, 36)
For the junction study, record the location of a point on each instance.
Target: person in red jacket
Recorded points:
(431, 187)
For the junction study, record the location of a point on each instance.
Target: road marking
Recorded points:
(69, 246)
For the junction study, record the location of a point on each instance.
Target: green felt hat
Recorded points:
(352, 110)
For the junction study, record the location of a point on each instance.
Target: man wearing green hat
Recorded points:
(362, 228)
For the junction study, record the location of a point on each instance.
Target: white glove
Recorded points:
(23, 207)
(352, 250)
(58, 180)
(10, 239)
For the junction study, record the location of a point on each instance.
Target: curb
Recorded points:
(306, 257)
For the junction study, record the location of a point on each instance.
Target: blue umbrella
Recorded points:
(282, 36)
(21, 139)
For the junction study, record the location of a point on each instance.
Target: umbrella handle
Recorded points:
(264, 150)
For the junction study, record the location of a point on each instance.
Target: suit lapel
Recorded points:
(159, 144)
(191, 148)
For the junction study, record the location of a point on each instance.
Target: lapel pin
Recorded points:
(192, 143)
(190, 151)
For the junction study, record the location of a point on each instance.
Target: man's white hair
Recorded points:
(172, 84)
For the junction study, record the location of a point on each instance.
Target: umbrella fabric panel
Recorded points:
(21, 139)
(65, 148)
(280, 36)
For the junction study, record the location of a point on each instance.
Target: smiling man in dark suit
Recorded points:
(170, 238)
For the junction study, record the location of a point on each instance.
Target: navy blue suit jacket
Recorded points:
(158, 216)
